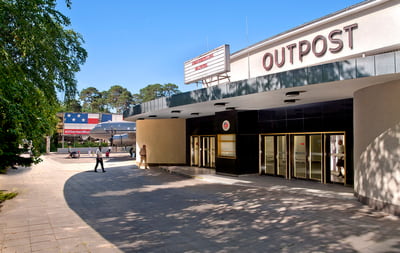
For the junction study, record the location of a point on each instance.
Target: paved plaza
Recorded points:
(63, 206)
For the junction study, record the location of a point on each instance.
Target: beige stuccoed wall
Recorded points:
(164, 139)
(377, 146)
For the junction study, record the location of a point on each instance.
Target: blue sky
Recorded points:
(135, 43)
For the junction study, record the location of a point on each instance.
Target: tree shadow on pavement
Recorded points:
(153, 211)
(17, 170)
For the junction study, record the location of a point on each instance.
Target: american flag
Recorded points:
(106, 117)
(111, 117)
(79, 123)
(81, 118)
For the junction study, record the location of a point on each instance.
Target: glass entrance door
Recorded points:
(195, 151)
(267, 155)
(336, 159)
(212, 152)
(315, 156)
(300, 156)
(208, 151)
(202, 151)
(205, 149)
(281, 155)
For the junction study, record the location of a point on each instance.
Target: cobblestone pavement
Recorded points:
(63, 206)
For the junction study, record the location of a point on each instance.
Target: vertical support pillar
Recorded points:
(47, 144)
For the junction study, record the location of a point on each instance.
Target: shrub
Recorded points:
(7, 195)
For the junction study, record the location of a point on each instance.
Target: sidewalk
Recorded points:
(39, 219)
(268, 182)
(47, 216)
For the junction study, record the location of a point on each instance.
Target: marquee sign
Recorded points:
(212, 63)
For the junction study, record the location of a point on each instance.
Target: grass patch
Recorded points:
(7, 195)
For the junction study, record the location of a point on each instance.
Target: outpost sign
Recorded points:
(318, 46)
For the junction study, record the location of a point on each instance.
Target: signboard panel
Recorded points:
(206, 65)
(80, 123)
(77, 131)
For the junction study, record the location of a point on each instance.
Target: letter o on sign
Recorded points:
(271, 61)
(324, 45)
(226, 125)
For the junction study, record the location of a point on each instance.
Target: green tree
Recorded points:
(71, 105)
(118, 98)
(136, 99)
(153, 91)
(39, 56)
(170, 89)
(92, 100)
(103, 101)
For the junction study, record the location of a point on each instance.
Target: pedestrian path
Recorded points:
(39, 219)
(47, 216)
(267, 182)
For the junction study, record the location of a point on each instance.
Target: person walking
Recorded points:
(143, 157)
(99, 159)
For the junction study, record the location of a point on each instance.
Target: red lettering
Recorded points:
(202, 59)
(350, 29)
(202, 66)
(291, 47)
(280, 64)
(324, 45)
(319, 46)
(339, 42)
(304, 51)
(76, 131)
(271, 61)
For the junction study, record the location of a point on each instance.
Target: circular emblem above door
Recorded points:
(226, 125)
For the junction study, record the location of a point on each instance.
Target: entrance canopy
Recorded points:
(327, 82)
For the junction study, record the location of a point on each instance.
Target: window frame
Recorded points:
(222, 149)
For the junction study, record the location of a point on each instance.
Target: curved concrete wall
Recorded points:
(377, 146)
(165, 140)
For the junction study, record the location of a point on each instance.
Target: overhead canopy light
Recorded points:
(220, 104)
(290, 101)
(293, 93)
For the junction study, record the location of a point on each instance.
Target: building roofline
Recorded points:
(310, 25)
